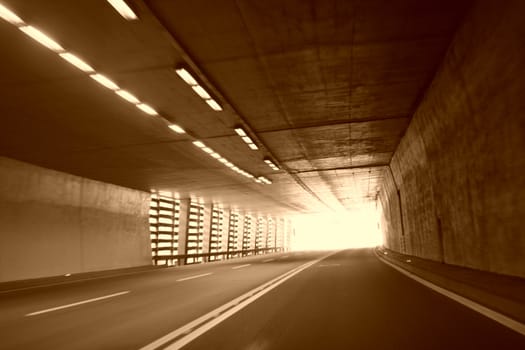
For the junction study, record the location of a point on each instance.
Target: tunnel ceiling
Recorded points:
(326, 88)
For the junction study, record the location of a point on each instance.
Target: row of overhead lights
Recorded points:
(247, 139)
(125, 11)
(230, 165)
(80, 64)
(185, 75)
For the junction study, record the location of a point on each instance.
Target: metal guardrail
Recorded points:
(182, 258)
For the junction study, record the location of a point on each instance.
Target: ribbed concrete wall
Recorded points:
(52, 223)
(460, 167)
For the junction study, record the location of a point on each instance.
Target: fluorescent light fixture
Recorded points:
(43, 39)
(215, 155)
(264, 180)
(223, 160)
(176, 128)
(240, 131)
(253, 146)
(199, 144)
(199, 90)
(247, 139)
(123, 9)
(127, 96)
(207, 150)
(10, 16)
(214, 105)
(77, 62)
(186, 76)
(104, 81)
(147, 109)
(271, 164)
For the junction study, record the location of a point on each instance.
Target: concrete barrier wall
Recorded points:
(52, 223)
(460, 167)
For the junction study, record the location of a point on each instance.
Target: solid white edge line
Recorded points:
(77, 303)
(268, 260)
(192, 277)
(240, 266)
(485, 311)
(214, 317)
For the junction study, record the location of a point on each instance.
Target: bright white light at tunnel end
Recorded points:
(337, 230)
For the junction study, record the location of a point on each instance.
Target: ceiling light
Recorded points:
(271, 164)
(127, 96)
(186, 76)
(240, 131)
(176, 128)
(207, 149)
(214, 105)
(147, 109)
(253, 146)
(247, 139)
(215, 155)
(42, 38)
(199, 144)
(199, 90)
(123, 9)
(223, 160)
(104, 81)
(10, 16)
(264, 180)
(77, 62)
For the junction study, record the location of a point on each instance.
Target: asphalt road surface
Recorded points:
(348, 300)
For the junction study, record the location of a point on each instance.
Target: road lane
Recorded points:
(155, 305)
(356, 302)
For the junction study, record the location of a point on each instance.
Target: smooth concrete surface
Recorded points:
(459, 168)
(52, 223)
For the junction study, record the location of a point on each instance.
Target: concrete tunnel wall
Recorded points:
(460, 167)
(52, 223)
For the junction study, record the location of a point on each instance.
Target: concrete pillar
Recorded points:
(270, 236)
(206, 232)
(225, 229)
(183, 227)
(253, 231)
(264, 236)
(240, 232)
(279, 234)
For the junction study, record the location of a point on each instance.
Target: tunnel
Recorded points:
(277, 174)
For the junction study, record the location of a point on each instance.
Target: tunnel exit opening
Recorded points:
(357, 228)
